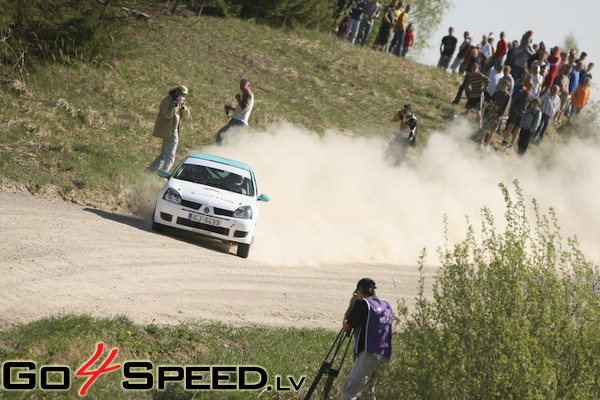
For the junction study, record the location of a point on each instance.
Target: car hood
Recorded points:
(211, 196)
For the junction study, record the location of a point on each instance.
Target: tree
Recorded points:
(426, 15)
(58, 29)
(571, 42)
(314, 14)
(6, 17)
(212, 7)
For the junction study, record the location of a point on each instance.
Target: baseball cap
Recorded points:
(183, 89)
(366, 284)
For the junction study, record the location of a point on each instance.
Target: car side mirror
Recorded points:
(264, 197)
(163, 173)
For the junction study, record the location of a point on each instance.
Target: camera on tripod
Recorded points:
(331, 367)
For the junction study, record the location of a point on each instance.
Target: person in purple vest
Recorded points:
(372, 319)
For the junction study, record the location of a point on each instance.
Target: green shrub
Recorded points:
(59, 30)
(513, 316)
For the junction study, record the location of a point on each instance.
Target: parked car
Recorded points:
(212, 196)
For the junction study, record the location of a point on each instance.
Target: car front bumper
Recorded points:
(205, 221)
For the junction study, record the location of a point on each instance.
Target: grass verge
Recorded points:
(71, 340)
(85, 129)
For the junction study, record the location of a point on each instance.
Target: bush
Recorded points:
(312, 14)
(58, 30)
(513, 315)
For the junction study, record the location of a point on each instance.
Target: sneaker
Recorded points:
(504, 143)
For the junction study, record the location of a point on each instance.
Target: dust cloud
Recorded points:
(335, 198)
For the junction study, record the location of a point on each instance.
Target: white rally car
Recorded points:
(212, 196)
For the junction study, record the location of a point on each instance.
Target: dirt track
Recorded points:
(58, 258)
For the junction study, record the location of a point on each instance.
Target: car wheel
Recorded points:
(156, 227)
(243, 250)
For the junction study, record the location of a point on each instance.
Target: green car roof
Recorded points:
(221, 160)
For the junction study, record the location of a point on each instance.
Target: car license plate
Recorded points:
(203, 219)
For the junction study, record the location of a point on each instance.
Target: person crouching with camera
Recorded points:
(403, 138)
(408, 124)
(372, 319)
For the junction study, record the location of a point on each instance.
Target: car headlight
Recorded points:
(244, 212)
(172, 195)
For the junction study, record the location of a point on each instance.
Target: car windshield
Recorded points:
(215, 177)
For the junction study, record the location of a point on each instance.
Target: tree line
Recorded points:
(39, 31)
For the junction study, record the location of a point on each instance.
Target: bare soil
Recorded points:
(61, 258)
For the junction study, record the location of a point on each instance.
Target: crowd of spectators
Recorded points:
(396, 34)
(531, 84)
(544, 84)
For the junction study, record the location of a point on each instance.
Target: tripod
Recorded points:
(328, 367)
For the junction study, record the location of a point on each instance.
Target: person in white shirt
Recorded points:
(486, 47)
(496, 74)
(538, 80)
(550, 104)
(241, 112)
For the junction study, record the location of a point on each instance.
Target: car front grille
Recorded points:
(223, 212)
(191, 204)
(196, 206)
(204, 227)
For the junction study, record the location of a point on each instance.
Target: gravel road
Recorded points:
(61, 258)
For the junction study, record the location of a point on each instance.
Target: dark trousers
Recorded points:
(234, 125)
(397, 42)
(524, 138)
(461, 89)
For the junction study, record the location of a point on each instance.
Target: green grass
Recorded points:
(514, 314)
(86, 128)
(71, 341)
(83, 130)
